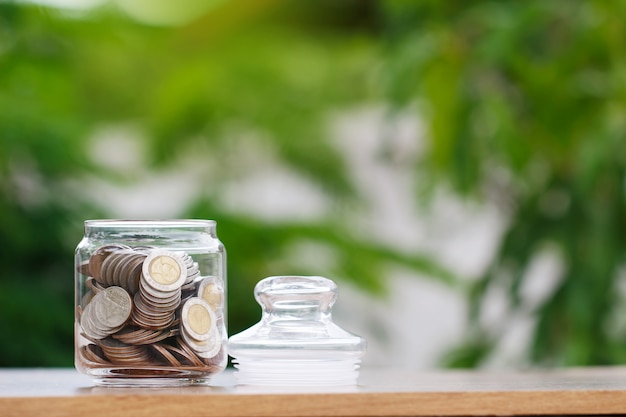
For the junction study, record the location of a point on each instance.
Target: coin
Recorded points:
(189, 353)
(219, 359)
(106, 313)
(150, 316)
(211, 292)
(155, 296)
(94, 285)
(193, 271)
(197, 318)
(113, 307)
(133, 335)
(187, 260)
(87, 324)
(159, 294)
(118, 269)
(99, 255)
(205, 349)
(93, 353)
(169, 302)
(152, 323)
(171, 359)
(107, 268)
(122, 354)
(159, 336)
(134, 274)
(134, 313)
(164, 271)
(198, 328)
(118, 260)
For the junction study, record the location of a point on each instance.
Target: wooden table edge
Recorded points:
(557, 402)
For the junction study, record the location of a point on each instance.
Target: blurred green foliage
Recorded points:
(522, 101)
(268, 68)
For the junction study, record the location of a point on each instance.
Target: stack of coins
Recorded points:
(122, 268)
(141, 336)
(179, 352)
(106, 313)
(198, 327)
(193, 270)
(134, 313)
(159, 295)
(189, 287)
(98, 257)
(123, 354)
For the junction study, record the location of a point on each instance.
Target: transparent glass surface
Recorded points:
(150, 302)
(296, 342)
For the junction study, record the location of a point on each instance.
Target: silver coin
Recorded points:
(99, 255)
(113, 307)
(137, 318)
(116, 270)
(88, 325)
(120, 272)
(155, 296)
(151, 324)
(143, 317)
(189, 286)
(134, 274)
(187, 260)
(107, 269)
(109, 273)
(193, 272)
(170, 304)
(151, 310)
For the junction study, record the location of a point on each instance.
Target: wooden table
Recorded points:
(584, 391)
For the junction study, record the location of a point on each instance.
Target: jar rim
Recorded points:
(122, 223)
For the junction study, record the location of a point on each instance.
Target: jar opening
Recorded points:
(131, 224)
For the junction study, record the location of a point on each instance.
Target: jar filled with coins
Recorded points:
(150, 302)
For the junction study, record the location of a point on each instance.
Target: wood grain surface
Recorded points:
(583, 391)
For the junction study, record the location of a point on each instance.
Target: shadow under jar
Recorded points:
(150, 302)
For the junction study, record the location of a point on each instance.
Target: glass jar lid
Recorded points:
(296, 341)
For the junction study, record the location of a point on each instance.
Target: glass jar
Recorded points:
(150, 302)
(296, 342)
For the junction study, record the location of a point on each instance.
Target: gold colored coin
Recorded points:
(133, 313)
(205, 349)
(198, 319)
(164, 271)
(212, 293)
